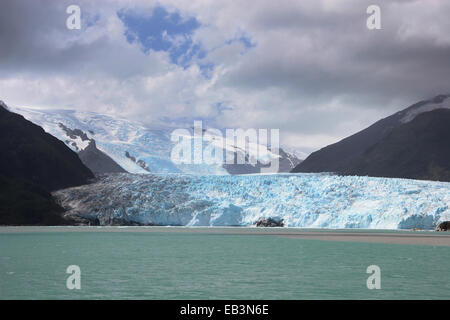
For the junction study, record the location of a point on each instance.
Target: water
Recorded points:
(197, 265)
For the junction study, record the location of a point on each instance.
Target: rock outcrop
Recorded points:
(269, 222)
(443, 226)
(32, 164)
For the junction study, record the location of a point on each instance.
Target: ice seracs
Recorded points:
(300, 200)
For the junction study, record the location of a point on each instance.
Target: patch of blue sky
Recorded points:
(243, 39)
(222, 106)
(92, 20)
(162, 31)
(206, 68)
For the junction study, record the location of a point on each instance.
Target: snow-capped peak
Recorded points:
(138, 149)
(3, 105)
(440, 102)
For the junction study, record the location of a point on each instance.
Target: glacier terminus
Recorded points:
(300, 200)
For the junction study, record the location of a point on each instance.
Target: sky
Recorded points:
(310, 68)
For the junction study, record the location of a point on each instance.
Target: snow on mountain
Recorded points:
(136, 148)
(3, 105)
(116, 137)
(301, 200)
(439, 102)
(296, 152)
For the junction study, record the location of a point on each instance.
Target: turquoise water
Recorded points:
(190, 265)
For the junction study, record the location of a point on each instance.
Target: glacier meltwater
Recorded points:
(301, 200)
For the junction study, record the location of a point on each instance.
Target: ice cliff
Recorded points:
(302, 200)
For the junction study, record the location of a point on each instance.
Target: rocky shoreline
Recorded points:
(443, 226)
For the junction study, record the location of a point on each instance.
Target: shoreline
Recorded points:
(408, 237)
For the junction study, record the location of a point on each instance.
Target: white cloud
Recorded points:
(316, 72)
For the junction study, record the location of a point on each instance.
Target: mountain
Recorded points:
(418, 149)
(96, 160)
(29, 153)
(32, 164)
(136, 148)
(3, 106)
(287, 162)
(397, 146)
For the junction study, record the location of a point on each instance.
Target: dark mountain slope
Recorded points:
(28, 152)
(93, 158)
(25, 203)
(33, 163)
(98, 161)
(337, 157)
(419, 149)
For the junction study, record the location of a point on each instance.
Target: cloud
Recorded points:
(310, 68)
(160, 30)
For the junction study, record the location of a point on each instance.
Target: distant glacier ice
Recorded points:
(301, 200)
(122, 139)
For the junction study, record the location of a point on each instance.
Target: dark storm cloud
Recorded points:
(27, 29)
(344, 58)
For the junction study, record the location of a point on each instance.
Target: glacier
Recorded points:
(118, 137)
(113, 135)
(301, 200)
